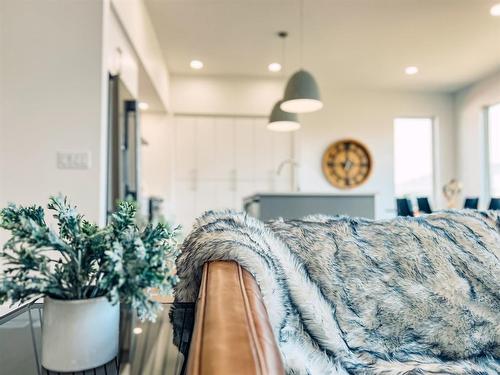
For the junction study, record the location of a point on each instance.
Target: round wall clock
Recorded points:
(346, 164)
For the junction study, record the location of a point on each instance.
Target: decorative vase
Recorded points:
(79, 335)
(451, 192)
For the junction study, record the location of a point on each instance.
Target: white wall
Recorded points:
(361, 114)
(136, 22)
(55, 59)
(52, 99)
(229, 96)
(121, 58)
(469, 106)
(368, 116)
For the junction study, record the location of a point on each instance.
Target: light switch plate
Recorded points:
(73, 160)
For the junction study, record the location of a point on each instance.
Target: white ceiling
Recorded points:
(351, 43)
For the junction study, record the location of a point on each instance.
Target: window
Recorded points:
(493, 132)
(413, 157)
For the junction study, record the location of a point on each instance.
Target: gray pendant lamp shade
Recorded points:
(281, 121)
(301, 94)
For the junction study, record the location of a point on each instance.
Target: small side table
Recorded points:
(159, 347)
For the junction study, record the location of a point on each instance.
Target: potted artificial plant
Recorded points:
(83, 272)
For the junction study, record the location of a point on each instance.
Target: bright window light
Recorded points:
(413, 157)
(143, 106)
(196, 64)
(494, 149)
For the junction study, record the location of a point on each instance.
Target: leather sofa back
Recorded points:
(232, 334)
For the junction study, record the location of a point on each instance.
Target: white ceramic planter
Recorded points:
(79, 334)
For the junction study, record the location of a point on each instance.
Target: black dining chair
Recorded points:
(423, 205)
(404, 207)
(494, 204)
(471, 203)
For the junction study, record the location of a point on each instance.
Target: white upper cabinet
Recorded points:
(244, 148)
(204, 147)
(221, 160)
(224, 145)
(264, 152)
(185, 150)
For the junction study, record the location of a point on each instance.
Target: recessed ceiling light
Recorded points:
(137, 330)
(274, 67)
(196, 64)
(411, 70)
(495, 10)
(143, 106)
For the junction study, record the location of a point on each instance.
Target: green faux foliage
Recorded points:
(81, 260)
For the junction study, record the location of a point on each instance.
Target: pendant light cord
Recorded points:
(283, 35)
(301, 15)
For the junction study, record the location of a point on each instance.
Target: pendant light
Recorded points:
(301, 92)
(281, 121)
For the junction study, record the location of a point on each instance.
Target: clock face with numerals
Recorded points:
(346, 164)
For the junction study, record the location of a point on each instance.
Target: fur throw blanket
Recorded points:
(354, 296)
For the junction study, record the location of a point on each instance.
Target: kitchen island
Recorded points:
(267, 206)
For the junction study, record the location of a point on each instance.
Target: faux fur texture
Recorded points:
(354, 296)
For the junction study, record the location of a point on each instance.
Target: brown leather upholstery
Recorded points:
(232, 334)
